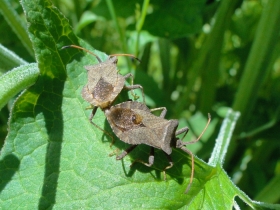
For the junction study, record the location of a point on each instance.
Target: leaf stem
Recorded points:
(223, 140)
(9, 59)
(16, 80)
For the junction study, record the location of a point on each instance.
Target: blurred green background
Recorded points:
(197, 57)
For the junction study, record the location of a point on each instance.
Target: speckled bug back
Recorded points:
(104, 83)
(134, 124)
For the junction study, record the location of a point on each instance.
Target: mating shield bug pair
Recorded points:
(131, 121)
(104, 83)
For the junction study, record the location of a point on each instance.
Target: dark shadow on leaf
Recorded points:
(176, 172)
(9, 165)
(54, 125)
(50, 104)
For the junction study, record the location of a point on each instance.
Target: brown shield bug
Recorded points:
(133, 123)
(104, 82)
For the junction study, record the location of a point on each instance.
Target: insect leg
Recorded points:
(151, 159)
(132, 87)
(196, 140)
(182, 130)
(90, 120)
(180, 145)
(167, 167)
(93, 113)
(125, 153)
(163, 112)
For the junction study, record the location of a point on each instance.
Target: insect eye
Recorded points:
(134, 119)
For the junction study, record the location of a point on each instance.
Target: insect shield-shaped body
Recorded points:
(134, 124)
(104, 82)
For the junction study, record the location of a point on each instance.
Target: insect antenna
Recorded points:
(128, 55)
(81, 48)
(198, 138)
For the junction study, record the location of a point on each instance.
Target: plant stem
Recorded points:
(207, 61)
(122, 37)
(114, 17)
(258, 60)
(140, 24)
(16, 24)
(16, 80)
(9, 59)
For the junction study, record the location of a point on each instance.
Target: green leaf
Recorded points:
(271, 191)
(174, 19)
(223, 140)
(87, 18)
(54, 158)
(219, 191)
(124, 8)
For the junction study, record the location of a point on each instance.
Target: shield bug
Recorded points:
(133, 123)
(104, 82)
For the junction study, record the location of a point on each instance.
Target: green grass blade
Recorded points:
(209, 54)
(259, 58)
(271, 192)
(16, 24)
(140, 24)
(111, 8)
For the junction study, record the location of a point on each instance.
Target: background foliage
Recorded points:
(208, 57)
